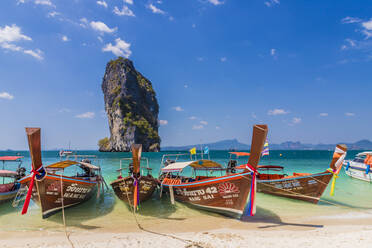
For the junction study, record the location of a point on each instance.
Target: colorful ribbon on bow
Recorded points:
(40, 174)
(135, 193)
(335, 176)
(250, 208)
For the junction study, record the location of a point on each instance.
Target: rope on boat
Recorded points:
(187, 241)
(63, 215)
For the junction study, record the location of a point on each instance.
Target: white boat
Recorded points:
(357, 168)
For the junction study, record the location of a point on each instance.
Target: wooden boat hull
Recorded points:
(8, 192)
(225, 195)
(47, 192)
(306, 188)
(124, 188)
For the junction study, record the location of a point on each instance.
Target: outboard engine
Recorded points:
(231, 166)
(21, 172)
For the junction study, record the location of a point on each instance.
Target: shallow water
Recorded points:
(108, 212)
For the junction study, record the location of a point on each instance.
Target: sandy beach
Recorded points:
(344, 230)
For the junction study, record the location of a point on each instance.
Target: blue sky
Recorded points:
(218, 67)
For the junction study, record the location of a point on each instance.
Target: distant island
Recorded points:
(288, 145)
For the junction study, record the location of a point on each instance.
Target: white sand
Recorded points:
(329, 236)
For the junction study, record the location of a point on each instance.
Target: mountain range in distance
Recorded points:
(288, 145)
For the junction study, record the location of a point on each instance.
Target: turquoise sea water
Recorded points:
(107, 211)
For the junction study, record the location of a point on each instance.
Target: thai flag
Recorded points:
(265, 150)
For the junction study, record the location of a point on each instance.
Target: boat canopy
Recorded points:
(364, 154)
(240, 154)
(10, 158)
(198, 164)
(8, 173)
(67, 163)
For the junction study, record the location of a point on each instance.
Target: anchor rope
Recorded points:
(63, 215)
(187, 241)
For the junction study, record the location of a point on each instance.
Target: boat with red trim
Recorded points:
(9, 185)
(54, 190)
(226, 194)
(301, 186)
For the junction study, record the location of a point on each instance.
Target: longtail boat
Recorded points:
(301, 186)
(136, 187)
(226, 194)
(360, 166)
(54, 190)
(9, 184)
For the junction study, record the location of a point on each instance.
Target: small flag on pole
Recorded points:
(193, 151)
(206, 150)
(265, 150)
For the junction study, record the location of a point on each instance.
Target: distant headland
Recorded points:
(288, 145)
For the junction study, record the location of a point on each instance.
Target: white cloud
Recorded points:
(64, 110)
(296, 120)
(121, 48)
(349, 114)
(102, 3)
(218, 128)
(86, 115)
(272, 3)
(163, 122)
(155, 10)
(53, 14)
(37, 53)
(178, 108)
(349, 19)
(216, 2)
(100, 38)
(128, 1)
(323, 114)
(273, 53)
(204, 123)
(44, 2)
(125, 11)
(10, 34)
(102, 27)
(171, 18)
(368, 24)
(193, 118)
(6, 95)
(277, 112)
(350, 44)
(186, 86)
(200, 59)
(197, 127)
(193, 25)
(223, 59)
(65, 38)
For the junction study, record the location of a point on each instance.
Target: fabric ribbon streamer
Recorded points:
(335, 176)
(250, 208)
(135, 193)
(40, 174)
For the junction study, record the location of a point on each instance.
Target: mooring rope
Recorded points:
(63, 215)
(187, 241)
